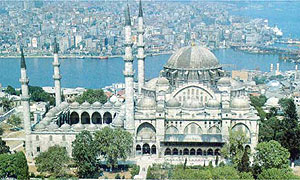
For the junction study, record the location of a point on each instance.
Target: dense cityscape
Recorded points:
(94, 28)
(195, 119)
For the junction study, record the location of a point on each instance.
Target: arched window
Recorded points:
(96, 118)
(199, 151)
(85, 118)
(146, 131)
(107, 118)
(146, 149)
(153, 149)
(186, 151)
(138, 148)
(242, 127)
(192, 152)
(175, 151)
(168, 151)
(210, 152)
(217, 152)
(74, 117)
(192, 128)
(172, 130)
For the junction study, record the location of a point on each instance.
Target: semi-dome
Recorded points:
(173, 103)
(213, 103)
(193, 58)
(147, 103)
(239, 103)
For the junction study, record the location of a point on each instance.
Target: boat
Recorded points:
(103, 57)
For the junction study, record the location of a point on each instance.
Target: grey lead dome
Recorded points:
(193, 58)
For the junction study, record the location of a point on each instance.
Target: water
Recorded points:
(93, 73)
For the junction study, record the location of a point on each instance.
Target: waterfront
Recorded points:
(94, 73)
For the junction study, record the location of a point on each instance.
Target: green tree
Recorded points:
(3, 148)
(258, 101)
(1, 131)
(91, 96)
(134, 170)
(245, 163)
(37, 94)
(274, 173)
(85, 154)
(13, 166)
(14, 120)
(113, 144)
(233, 150)
(271, 155)
(289, 136)
(53, 161)
(10, 90)
(6, 104)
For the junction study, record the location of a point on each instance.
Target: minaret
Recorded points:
(25, 104)
(128, 74)
(56, 75)
(141, 45)
(271, 68)
(296, 71)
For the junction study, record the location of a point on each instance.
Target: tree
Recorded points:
(1, 131)
(85, 154)
(54, 161)
(271, 155)
(274, 173)
(3, 148)
(6, 104)
(290, 129)
(113, 144)
(37, 94)
(91, 96)
(10, 90)
(234, 148)
(269, 129)
(258, 101)
(14, 120)
(13, 166)
(245, 163)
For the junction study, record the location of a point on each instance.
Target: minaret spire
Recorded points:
(25, 104)
(128, 74)
(56, 75)
(141, 55)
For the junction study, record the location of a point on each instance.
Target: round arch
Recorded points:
(214, 130)
(107, 118)
(217, 152)
(242, 127)
(146, 131)
(199, 151)
(168, 151)
(210, 152)
(172, 130)
(175, 151)
(192, 128)
(207, 91)
(138, 148)
(96, 118)
(192, 151)
(153, 149)
(146, 149)
(85, 118)
(186, 151)
(74, 118)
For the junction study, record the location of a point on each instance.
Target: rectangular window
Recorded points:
(38, 149)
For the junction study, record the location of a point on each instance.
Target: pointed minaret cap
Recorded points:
(127, 17)
(55, 49)
(23, 64)
(140, 9)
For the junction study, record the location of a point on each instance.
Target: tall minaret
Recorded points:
(25, 104)
(128, 74)
(141, 45)
(56, 75)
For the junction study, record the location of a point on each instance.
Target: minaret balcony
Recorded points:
(128, 58)
(128, 44)
(141, 45)
(24, 80)
(57, 77)
(128, 74)
(141, 31)
(25, 98)
(141, 57)
(56, 64)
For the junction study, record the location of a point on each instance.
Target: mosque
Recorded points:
(187, 111)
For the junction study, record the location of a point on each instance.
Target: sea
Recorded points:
(95, 73)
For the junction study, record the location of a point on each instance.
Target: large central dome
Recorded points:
(193, 58)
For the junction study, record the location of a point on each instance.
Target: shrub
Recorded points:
(275, 173)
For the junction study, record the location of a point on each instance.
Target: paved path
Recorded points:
(144, 162)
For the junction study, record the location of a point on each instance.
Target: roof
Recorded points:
(193, 58)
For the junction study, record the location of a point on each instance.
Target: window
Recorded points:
(38, 149)
(64, 138)
(37, 138)
(50, 138)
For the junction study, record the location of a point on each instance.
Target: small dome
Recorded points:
(97, 104)
(224, 81)
(239, 103)
(272, 102)
(64, 105)
(85, 105)
(40, 126)
(50, 114)
(46, 123)
(193, 104)
(151, 84)
(91, 127)
(108, 104)
(163, 81)
(213, 103)
(79, 127)
(118, 104)
(173, 103)
(65, 127)
(118, 121)
(147, 103)
(75, 105)
(53, 126)
(193, 58)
